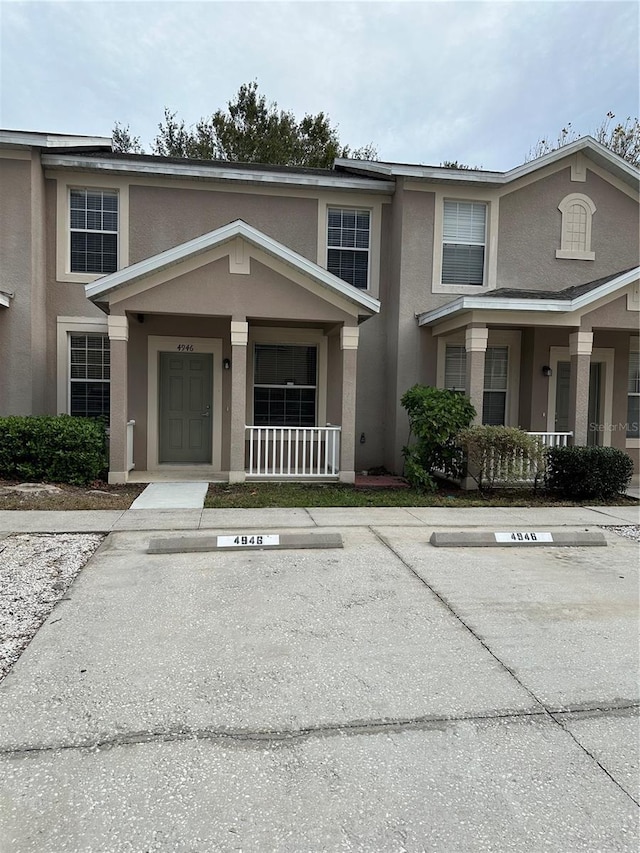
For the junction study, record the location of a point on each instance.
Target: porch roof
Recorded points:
(99, 290)
(508, 299)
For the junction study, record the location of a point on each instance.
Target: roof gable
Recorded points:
(100, 290)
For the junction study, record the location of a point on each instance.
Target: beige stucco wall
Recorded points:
(212, 290)
(530, 226)
(411, 259)
(614, 315)
(22, 325)
(162, 217)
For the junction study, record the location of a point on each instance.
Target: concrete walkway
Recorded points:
(172, 495)
(495, 518)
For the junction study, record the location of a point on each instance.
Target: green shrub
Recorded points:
(436, 416)
(587, 473)
(60, 449)
(501, 455)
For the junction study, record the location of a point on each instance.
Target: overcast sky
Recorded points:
(478, 82)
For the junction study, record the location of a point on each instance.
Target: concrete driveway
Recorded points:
(390, 696)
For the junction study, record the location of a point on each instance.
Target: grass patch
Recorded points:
(96, 496)
(256, 495)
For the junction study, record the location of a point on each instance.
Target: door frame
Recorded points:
(157, 344)
(604, 356)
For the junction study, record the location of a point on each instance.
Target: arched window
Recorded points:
(577, 211)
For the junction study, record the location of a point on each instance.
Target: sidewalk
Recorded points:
(497, 518)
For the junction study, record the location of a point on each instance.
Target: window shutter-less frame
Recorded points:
(464, 238)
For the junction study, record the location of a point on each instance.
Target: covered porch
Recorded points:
(232, 358)
(562, 365)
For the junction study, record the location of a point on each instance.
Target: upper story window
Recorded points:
(94, 230)
(464, 235)
(348, 241)
(575, 243)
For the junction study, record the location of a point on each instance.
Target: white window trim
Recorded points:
(492, 202)
(634, 346)
(353, 202)
(66, 326)
(64, 185)
(605, 356)
(497, 338)
(289, 336)
(157, 344)
(565, 253)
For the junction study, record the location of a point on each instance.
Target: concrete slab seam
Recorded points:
(554, 717)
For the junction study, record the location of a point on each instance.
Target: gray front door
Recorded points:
(186, 396)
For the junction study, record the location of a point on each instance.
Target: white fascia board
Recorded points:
(606, 289)
(471, 176)
(469, 303)
(217, 173)
(5, 299)
(29, 139)
(174, 256)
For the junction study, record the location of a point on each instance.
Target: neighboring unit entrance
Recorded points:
(185, 400)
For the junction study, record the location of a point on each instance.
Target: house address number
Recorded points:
(254, 540)
(185, 348)
(523, 536)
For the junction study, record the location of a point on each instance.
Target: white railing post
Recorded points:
(130, 462)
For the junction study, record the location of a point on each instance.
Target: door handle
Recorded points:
(204, 415)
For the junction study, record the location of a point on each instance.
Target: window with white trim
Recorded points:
(455, 368)
(496, 379)
(93, 218)
(633, 396)
(464, 237)
(575, 239)
(285, 385)
(89, 375)
(348, 242)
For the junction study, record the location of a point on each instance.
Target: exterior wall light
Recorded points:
(547, 371)
(226, 363)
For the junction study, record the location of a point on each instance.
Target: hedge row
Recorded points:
(61, 449)
(587, 473)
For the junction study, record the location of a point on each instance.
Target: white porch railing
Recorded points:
(553, 439)
(521, 468)
(293, 451)
(130, 462)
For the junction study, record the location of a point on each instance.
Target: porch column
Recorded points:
(580, 346)
(239, 339)
(349, 346)
(118, 329)
(476, 338)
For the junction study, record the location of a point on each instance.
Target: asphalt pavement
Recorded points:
(386, 696)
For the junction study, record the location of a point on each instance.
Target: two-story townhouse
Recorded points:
(238, 320)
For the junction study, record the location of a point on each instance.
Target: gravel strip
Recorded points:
(35, 572)
(629, 531)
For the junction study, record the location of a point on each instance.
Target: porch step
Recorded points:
(172, 496)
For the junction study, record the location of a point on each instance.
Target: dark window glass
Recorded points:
(89, 375)
(284, 385)
(94, 231)
(348, 239)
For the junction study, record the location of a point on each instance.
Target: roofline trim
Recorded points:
(35, 139)
(558, 306)
(478, 176)
(217, 172)
(201, 244)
